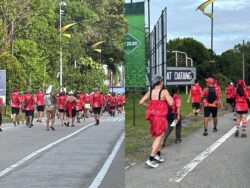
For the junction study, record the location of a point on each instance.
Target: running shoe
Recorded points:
(237, 133)
(178, 140)
(215, 129)
(1, 130)
(158, 158)
(52, 128)
(243, 135)
(152, 164)
(205, 133)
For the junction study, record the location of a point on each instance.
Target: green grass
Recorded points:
(138, 139)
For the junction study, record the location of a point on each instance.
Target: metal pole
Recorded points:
(212, 30)
(149, 47)
(243, 60)
(60, 13)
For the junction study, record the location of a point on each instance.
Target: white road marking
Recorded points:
(12, 167)
(100, 176)
(196, 161)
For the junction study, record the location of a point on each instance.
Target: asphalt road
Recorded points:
(66, 158)
(227, 166)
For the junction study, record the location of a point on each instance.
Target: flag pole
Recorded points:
(212, 31)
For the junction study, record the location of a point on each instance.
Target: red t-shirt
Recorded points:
(177, 103)
(79, 105)
(230, 91)
(87, 100)
(1, 100)
(241, 102)
(82, 98)
(40, 98)
(15, 100)
(29, 102)
(113, 101)
(205, 95)
(61, 99)
(195, 92)
(120, 100)
(97, 100)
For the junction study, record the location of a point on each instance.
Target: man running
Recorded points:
(97, 105)
(71, 108)
(230, 89)
(195, 95)
(29, 108)
(113, 104)
(87, 106)
(1, 112)
(15, 106)
(39, 99)
(119, 103)
(211, 98)
(61, 100)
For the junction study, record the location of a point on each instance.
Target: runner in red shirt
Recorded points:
(79, 108)
(87, 106)
(1, 112)
(211, 99)
(112, 104)
(230, 90)
(175, 121)
(241, 108)
(71, 108)
(29, 108)
(15, 106)
(195, 95)
(82, 98)
(119, 103)
(61, 100)
(96, 98)
(39, 100)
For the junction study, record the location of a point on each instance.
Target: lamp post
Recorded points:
(61, 60)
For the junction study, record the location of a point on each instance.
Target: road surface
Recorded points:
(74, 157)
(216, 161)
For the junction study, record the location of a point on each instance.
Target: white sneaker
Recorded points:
(159, 158)
(152, 164)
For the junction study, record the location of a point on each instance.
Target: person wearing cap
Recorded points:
(15, 106)
(159, 100)
(29, 107)
(50, 108)
(195, 95)
(230, 90)
(211, 99)
(241, 108)
(39, 100)
(96, 104)
(70, 107)
(1, 112)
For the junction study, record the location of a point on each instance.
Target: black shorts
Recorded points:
(196, 105)
(61, 110)
(96, 110)
(40, 108)
(230, 101)
(112, 107)
(73, 113)
(210, 110)
(14, 110)
(29, 112)
(242, 112)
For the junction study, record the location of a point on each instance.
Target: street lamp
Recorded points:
(61, 60)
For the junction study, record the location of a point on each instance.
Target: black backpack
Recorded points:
(211, 97)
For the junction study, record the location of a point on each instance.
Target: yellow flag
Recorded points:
(98, 50)
(67, 35)
(64, 28)
(96, 44)
(204, 5)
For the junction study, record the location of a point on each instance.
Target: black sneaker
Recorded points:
(236, 133)
(14, 124)
(178, 140)
(205, 133)
(215, 129)
(243, 135)
(1, 130)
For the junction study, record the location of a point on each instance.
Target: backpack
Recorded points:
(211, 97)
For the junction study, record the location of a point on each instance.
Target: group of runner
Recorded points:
(164, 110)
(65, 106)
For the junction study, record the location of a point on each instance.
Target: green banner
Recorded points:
(134, 46)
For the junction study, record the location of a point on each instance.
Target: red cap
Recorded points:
(241, 82)
(210, 80)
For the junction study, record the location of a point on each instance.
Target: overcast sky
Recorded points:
(231, 21)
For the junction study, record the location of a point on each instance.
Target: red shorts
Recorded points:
(158, 125)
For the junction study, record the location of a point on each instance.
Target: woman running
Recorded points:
(156, 114)
(241, 108)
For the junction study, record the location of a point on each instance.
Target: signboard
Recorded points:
(3, 85)
(180, 75)
(131, 43)
(134, 46)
